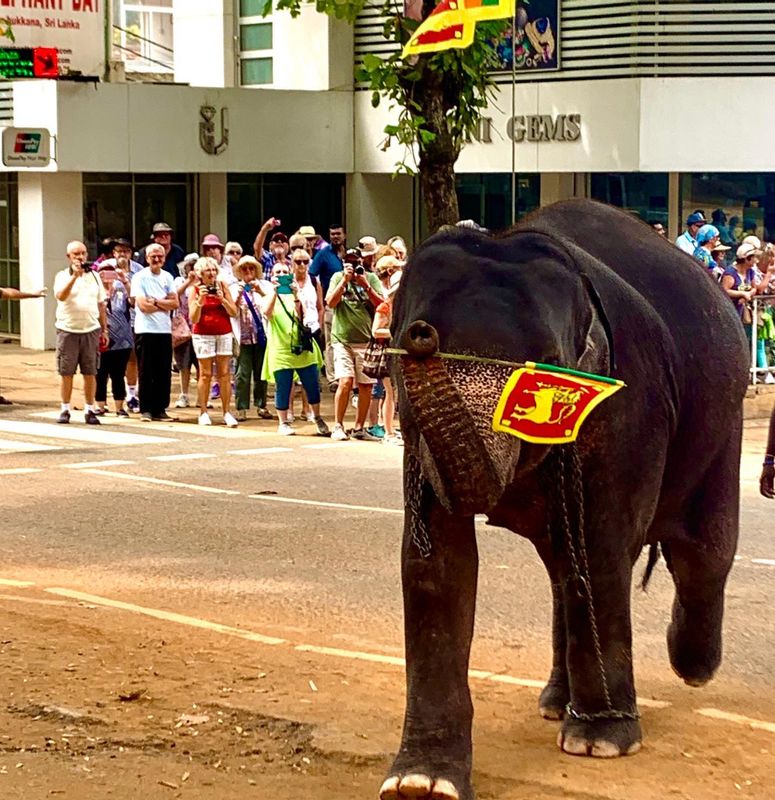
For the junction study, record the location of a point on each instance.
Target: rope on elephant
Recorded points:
(570, 501)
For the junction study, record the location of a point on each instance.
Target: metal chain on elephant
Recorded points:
(569, 475)
(413, 488)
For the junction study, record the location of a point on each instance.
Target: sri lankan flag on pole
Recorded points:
(452, 23)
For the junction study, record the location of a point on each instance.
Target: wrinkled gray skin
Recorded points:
(659, 460)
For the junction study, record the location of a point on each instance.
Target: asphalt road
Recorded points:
(180, 522)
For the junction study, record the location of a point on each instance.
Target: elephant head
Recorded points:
(517, 298)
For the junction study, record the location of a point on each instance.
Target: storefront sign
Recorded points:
(534, 128)
(26, 147)
(75, 28)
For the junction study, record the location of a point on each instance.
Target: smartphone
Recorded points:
(284, 284)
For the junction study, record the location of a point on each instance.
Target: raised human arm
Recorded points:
(227, 301)
(64, 292)
(258, 244)
(335, 293)
(767, 478)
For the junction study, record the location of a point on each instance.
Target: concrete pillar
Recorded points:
(50, 216)
(675, 223)
(213, 206)
(379, 206)
(556, 186)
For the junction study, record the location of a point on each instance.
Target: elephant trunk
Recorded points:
(470, 482)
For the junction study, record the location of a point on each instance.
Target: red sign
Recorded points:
(548, 407)
(45, 62)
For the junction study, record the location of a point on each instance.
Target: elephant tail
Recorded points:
(650, 564)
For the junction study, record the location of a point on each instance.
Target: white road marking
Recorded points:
(17, 584)
(739, 719)
(767, 562)
(167, 616)
(324, 504)
(19, 471)
(257, 451)
(93, 464)
(13, 446)
(322, 446)
(80, 433)
(105, 473)
(17, 598)
(195, 622)
(182, 457)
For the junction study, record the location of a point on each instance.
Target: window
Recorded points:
(142, 35)
(737, 203)
(644, 194)
(256, 42)
(486, 199)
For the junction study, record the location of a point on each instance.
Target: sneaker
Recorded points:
(378, 431)
(209, 404)
(310, 416)
(770, 378)
(284, 429)
(64, 418)
(394, 440)
(133, 404)
(291, 418)
(339, 434)
(204, 419)
(323, 429)
(242, 414)
(122, 412)
(182, 401)
(215, 391)
(164, 417)
(365, 436)
(229, 421)
(146, 416)
(264, 413)
(90, 418)
(100, 412)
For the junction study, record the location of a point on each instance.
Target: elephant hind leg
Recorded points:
(700, 563)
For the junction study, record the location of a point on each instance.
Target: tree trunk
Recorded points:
(437, 181)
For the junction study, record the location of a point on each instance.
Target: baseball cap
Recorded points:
(306, 230)
(161, 227)
(706, 233)
(352, 256)
(746, 249)
(755, 241)
(211, 240)
(697, 218)
(279, 237)
(367, 245)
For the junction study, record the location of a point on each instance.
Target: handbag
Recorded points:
(181, 331)
(301, 334)
(376, 363)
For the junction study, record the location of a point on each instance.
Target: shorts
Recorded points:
(378, 390)
(76, 350)
(348, 362)
(184, 356)
(206, 346)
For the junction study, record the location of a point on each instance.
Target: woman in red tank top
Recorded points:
(211, 307)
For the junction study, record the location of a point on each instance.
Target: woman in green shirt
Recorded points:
(284, 353)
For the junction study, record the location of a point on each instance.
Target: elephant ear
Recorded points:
(599, 335)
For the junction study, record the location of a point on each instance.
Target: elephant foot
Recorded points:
(553, 700)
(419, 786)
(601, 738)
(694, 659)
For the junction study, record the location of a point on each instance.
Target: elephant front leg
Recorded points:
(434, 760)
(602, 718)
(556, 694)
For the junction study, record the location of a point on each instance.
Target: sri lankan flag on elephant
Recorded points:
(547, 404)
(452, 23)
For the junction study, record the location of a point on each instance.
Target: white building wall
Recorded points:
(203, 41)
(50, 216)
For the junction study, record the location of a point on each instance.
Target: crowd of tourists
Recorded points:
(300, 312)
(744, 270)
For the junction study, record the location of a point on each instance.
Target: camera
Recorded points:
(359, 270)
(87, 266)
(212, 290)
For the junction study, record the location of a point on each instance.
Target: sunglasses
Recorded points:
(234, 252)
(301, 261)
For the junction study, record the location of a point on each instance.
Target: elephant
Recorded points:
(581, 285)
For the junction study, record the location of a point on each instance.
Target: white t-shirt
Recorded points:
(146, 284)
(80, 312)
(308, 295)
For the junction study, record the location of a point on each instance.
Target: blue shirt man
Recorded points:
(328, 261)
(687, 241)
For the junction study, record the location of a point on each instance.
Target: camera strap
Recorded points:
(260, 334)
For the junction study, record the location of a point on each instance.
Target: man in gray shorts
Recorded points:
(81, 324)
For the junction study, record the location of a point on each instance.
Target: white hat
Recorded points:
(753, 240)
(746, 249)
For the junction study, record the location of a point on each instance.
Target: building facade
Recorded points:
(212, 117)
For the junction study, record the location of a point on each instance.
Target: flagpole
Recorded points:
(513, 114)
